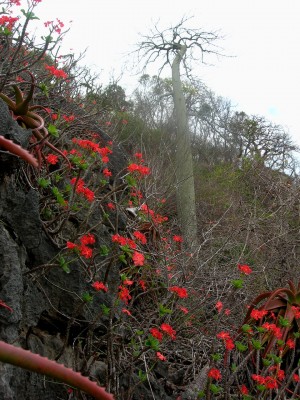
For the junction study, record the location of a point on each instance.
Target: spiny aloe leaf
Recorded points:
(18, 151)
(36, 363)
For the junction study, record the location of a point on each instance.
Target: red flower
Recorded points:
(219, 306)
(111, 206)
(124, 294)
(184, 309)
(229, 345)
(245, 269)
(52, 159)
(181, 292)
(169, 330)
(59, 73)
(119, 239)
(125, 311)
(258, 314)
(223, 335)
(99, 286)
(214, 373)
(142, 284)
(128, 282)
(244, 390)
(88, 239)
(296, 378)
(160, 356)
(138, 168)
(86, 252)
(54, 117)
(296, 311)
(290, 343)
(138, 259)
(177, 239)
(138, 155)
(156, 333)
(106, 172)
(71, 245)
(140, 236)
(281, 374)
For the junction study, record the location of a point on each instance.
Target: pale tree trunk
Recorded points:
(185, 193)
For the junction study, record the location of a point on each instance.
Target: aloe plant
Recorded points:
(271, 333)
(25, 114)
(17, 150)
(36, 363)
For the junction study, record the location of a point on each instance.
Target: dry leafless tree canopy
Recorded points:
(166, 42)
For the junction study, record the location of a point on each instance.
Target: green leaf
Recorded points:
(284, 321)
(139, 332)
(64, 264)
(104, 250)
(130, 181)
(53, 130)
(44, 89)
(163, 310)
(105, 309)
(240, 346)
(142, 376)
(44, 182)
(201, 394)
(152, 342)
(29, 15)
(237, 283)
(246, 328)
(122, 258)
(216, 356)
(266, 362)
(257, 344)
(214, 388)
(87, 297)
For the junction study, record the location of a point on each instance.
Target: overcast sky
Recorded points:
(262, 36)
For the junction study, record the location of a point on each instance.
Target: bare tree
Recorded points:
(180, 46)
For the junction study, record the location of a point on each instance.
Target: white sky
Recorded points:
(262, 35)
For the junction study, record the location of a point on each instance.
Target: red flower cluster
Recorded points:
(156, 218)
(99, 286)
(166, 328)
(69, 119)
(245, 269)
(83, 248)
(258, 314)
(219, 306)
(138, 259)
(214, 373)
(229, 345)
(268, 381)
(141, 169)
(156, 333)
(123, 241)
(82, 189)
(296, 311)
(59, 73)
(52, 159)
(124, 294)
(88, 144)
(274, 329)
(177, 239)
(8, 22)
(56, 26)
(181, 292)
(160, 356)
(140, 236)
(106, 172)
